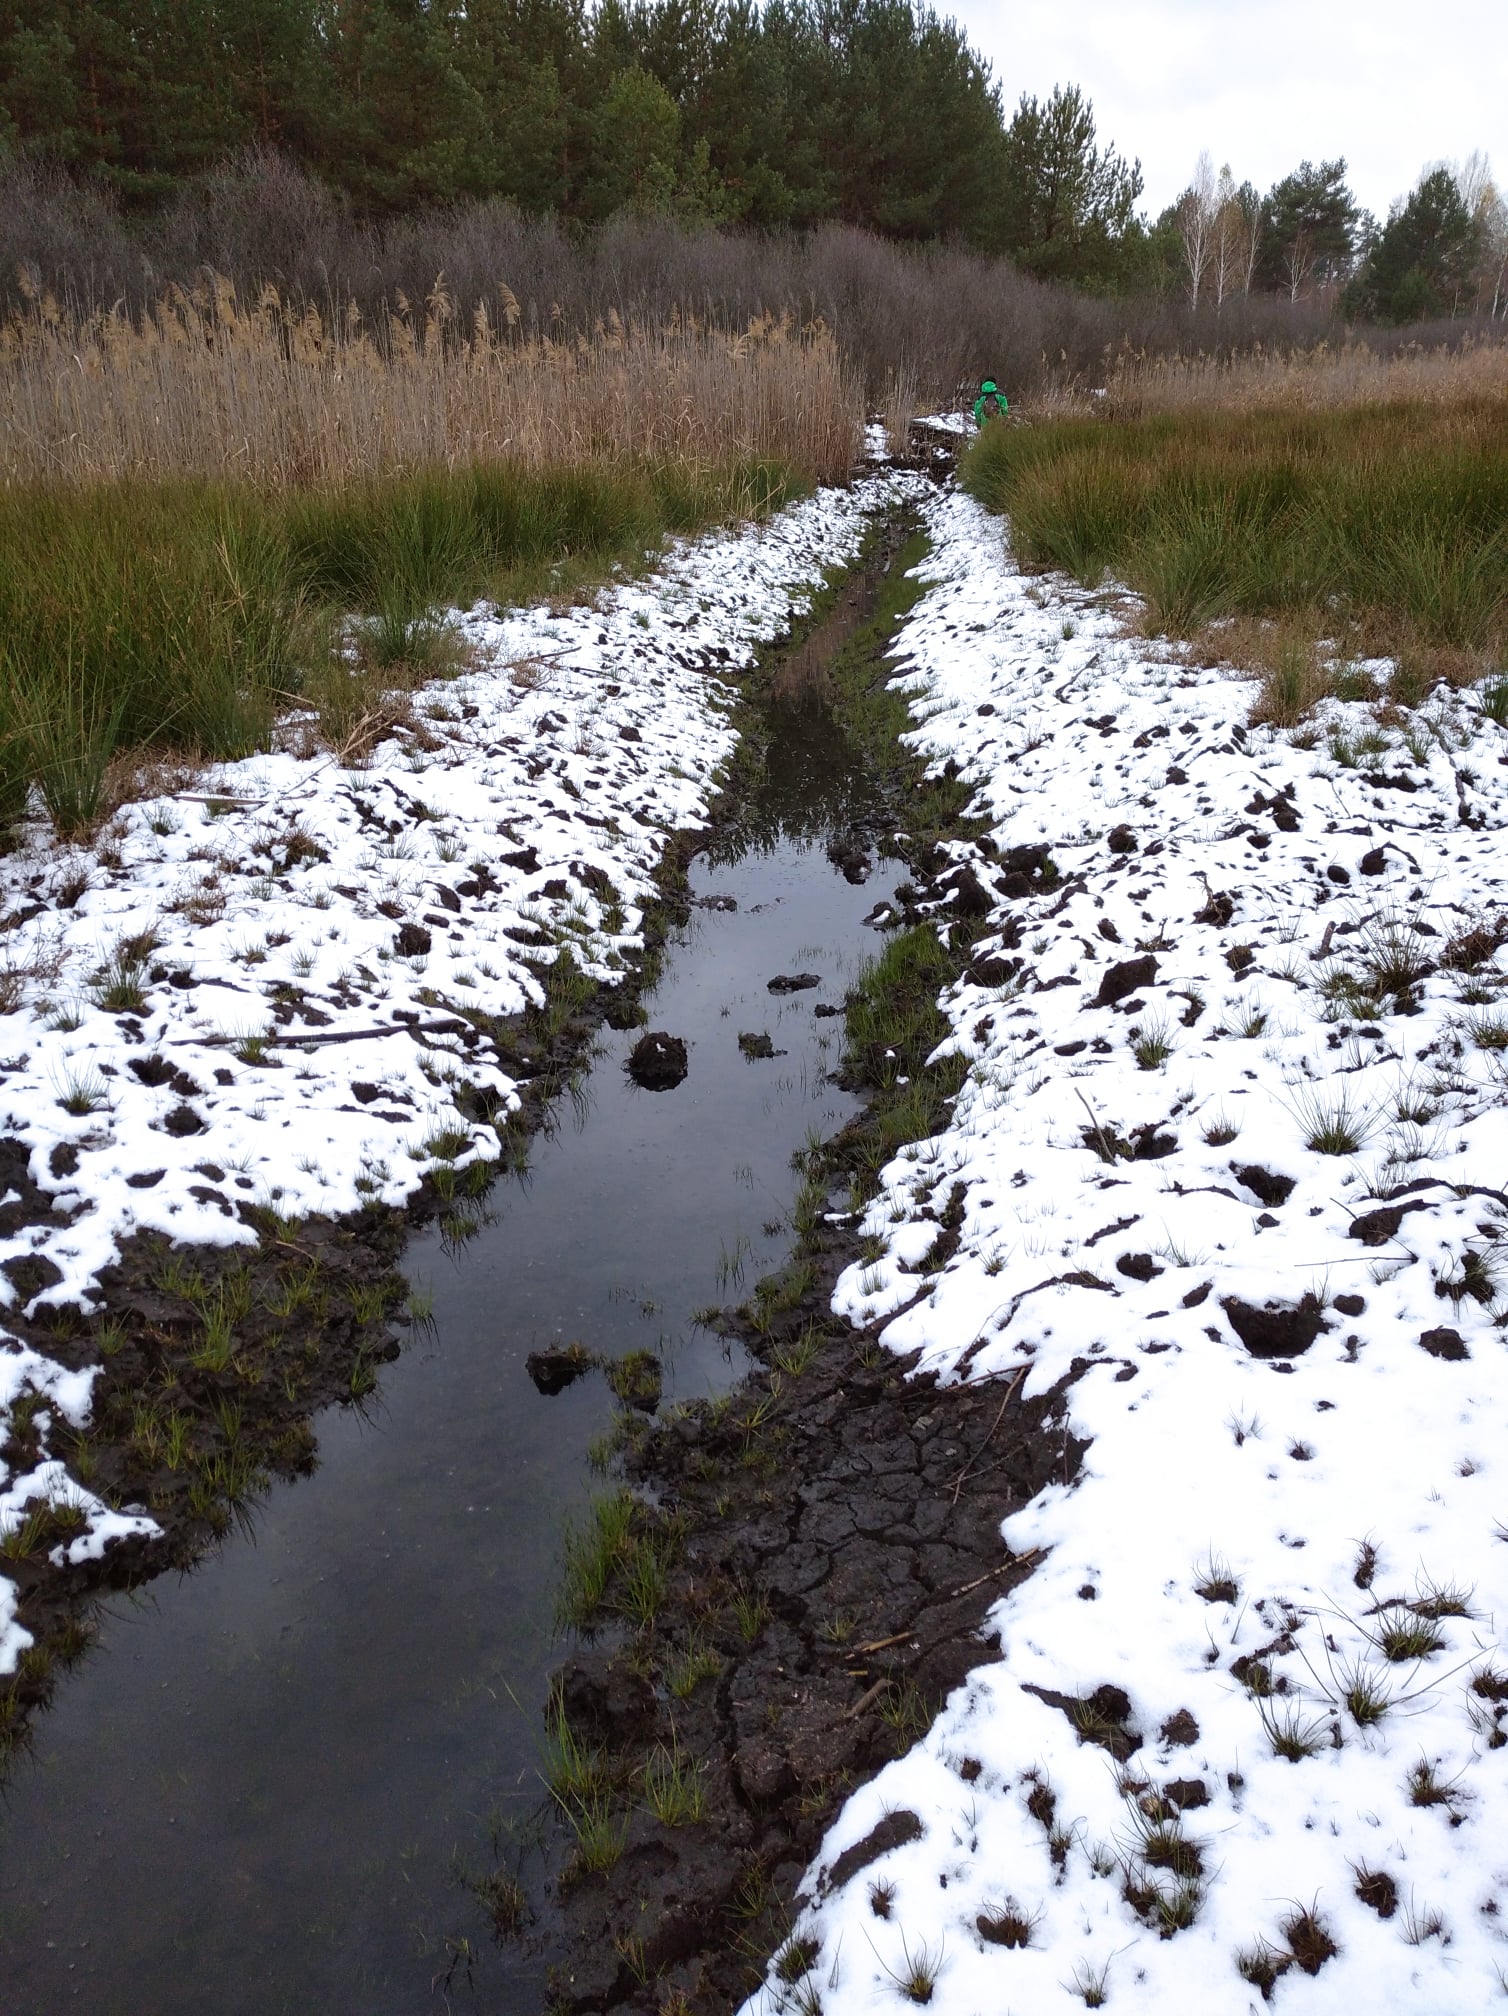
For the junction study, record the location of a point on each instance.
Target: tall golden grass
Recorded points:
(1138, 386)
(206, 385)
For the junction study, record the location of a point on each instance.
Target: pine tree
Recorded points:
(1065, 203)
(1424, 261)
(635, 147)
(404, 124)
(1309, 229)
(520, 58)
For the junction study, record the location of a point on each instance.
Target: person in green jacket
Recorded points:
(991, 404)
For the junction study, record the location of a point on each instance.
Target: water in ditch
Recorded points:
(264, 1789)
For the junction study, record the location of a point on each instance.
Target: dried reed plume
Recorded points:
(204, 385)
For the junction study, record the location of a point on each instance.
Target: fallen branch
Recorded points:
(451, 1025)
(1060, 693)
(964, 1473)
(1016, 1561)
(878, 1644)
(1107, 1151)
(869, 1697)
(871, 1694)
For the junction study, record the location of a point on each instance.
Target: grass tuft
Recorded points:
(1427, 1788)
(1292, 1734)
(674, 1788)
(1215, 1582)
(1333, 1123)
(1376, 1889)
(1309, 1938)
(1401, 1634)
(1316, 515)
(1365, 1693)
(1090, 1983)
(916, 1977)
(1263, 1966)
(1150, 1046)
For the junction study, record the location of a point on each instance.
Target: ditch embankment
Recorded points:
(792, 1578)
(784, 1576)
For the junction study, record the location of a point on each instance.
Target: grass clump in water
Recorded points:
(894, 1024)
(617, 1563)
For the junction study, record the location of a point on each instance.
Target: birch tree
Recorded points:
(1488, 210)
(1196, 212)
(1225, 238)
(1249, 233)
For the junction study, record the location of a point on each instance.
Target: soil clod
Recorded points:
(1124, 978)
(1444, 1343)
(558, 1366)
(1266, 1184)
(1279, 1329)
(1137, 1267)
(894, 1831)
(658, 1061)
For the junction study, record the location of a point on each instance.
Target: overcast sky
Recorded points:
(1263, 84)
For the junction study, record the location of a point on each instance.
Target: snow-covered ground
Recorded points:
(1297, 1409)
(1146, 1199)
(354, 908)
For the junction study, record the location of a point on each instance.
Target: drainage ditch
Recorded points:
(316, 1770)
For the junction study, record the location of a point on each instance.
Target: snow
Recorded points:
(1205, 1463)
(585, 739)
(576, 743)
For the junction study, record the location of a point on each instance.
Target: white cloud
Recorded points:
(1265, 85)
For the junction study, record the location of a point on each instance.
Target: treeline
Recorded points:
(935, 316)
(768, 116)
(795, 112)
(1442, 252)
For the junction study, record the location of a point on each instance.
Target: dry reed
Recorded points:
(1138, 386)
(902, 398)
(206, 386)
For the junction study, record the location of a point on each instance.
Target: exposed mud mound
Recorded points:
(1444, 1343)
(1280, 1329)
(657, 1061)
(558, 1366)
(1123, 978)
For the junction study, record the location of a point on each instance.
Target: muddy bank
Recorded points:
(828, 1542)
(216, 1358)
(800, 1574)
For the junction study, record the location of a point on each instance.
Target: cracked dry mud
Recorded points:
(851, 1516)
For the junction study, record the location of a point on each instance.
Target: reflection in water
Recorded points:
(263, 1791)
